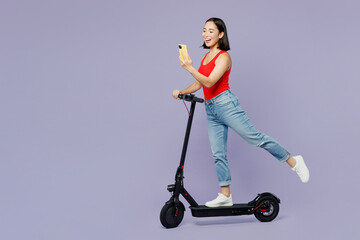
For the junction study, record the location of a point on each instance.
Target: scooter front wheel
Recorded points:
(171, 216)
(266, 209)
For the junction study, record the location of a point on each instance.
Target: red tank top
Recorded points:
(221, 85)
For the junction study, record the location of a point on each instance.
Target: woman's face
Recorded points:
(211, 34)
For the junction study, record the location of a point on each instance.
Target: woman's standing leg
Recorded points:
(218, 133)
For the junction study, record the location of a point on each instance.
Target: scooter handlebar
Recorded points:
(190, 98)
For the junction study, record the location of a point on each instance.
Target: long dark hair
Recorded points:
(223, 43)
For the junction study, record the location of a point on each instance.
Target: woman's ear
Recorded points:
(221, 35)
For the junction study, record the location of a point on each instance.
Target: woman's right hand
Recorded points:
(176, 94)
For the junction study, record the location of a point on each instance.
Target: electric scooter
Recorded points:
(265, 206)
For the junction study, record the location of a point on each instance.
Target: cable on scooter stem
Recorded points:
(186, 108)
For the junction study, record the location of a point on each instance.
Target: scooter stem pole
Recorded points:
(187, 134)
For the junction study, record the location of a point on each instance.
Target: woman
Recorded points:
(223, 110)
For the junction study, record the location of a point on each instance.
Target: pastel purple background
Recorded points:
(90, 136)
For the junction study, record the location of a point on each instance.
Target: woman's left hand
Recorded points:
(186, 63)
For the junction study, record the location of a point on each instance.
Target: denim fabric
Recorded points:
(224, 111)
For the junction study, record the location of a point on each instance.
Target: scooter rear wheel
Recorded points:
(171, 216)
(267, 209)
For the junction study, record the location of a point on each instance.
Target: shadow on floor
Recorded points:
(230, 220)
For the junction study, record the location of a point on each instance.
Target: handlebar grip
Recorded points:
(190, 98)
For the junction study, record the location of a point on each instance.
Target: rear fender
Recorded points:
(261, 195)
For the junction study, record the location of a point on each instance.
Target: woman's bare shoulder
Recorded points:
(225, 56)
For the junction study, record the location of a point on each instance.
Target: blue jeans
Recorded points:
(224, 111)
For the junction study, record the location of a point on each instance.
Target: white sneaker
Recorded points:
(220, 201)
(301, 169)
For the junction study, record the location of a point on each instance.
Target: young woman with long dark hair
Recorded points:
(223, 110)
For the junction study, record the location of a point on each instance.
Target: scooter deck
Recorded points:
(236, 209)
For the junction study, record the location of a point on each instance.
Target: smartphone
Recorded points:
(183, 50)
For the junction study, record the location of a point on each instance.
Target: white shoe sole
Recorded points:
(229, 204)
